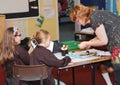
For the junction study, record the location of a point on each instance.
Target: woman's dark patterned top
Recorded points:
(111, 23)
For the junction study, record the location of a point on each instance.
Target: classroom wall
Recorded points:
(2, 26)
(118, 7)
(50, 24)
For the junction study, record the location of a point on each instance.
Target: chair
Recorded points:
(30, 73)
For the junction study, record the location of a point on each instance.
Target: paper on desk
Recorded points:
(75, 58)
(100, 52)
(59, 55)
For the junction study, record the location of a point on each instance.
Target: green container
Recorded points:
(72, 45)
(40, 21)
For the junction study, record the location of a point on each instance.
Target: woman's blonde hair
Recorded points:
(80, 11)
(7, 45)
(40, 35)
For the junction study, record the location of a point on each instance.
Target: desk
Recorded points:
(87, 62)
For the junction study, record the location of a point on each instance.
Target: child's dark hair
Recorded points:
(25, 43)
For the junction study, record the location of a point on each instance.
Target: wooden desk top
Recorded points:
(100, 59)
(97, 59)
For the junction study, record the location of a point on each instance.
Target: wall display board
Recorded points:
(19, 8)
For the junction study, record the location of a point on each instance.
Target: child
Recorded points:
(41, 55)
(11, 52)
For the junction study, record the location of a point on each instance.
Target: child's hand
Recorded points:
(71, 63)
(84, 45)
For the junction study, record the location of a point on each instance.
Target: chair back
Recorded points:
(30, 72)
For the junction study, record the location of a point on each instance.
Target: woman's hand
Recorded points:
(84, 45)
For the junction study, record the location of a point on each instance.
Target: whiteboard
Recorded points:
(14, 6)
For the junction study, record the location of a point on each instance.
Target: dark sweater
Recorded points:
(21, 57)
(41, 55)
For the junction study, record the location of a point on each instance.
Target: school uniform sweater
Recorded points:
(41, 55)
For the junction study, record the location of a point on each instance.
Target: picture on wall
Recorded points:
(64, 7)
(19, 8)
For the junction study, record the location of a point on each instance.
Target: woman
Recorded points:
(41, 55)
(106, 26)
(11, 53)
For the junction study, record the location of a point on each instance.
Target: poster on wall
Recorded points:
(64, 7)
(48, 12)
(19, 8)
(48, 2)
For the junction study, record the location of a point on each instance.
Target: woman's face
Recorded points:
(80, 22)
(18, 38)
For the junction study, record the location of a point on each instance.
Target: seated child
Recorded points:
(41, 55)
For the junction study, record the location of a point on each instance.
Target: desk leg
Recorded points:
(58, 77)
(73, 77)
(92, 73)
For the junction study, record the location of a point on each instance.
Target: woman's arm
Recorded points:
(101, 39)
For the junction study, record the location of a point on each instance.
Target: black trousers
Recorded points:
(117, 73)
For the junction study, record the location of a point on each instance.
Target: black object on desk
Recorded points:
(64, 52)
(57, 47)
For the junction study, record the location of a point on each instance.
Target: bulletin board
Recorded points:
(48, 9)
(28, 27)
(19, 8)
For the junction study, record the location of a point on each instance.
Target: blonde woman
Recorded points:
(11, 52)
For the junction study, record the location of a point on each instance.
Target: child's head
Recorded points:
(10, 39)
(11, 35)
(43, 37)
